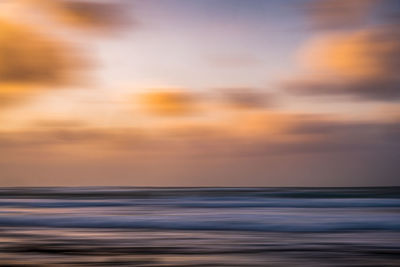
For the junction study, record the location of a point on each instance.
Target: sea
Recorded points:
(202, 226)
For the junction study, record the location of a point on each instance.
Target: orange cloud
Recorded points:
(168, 103)
(141, 158)
(351, 55)
(27, 56)
(30, 60)
(361, 64)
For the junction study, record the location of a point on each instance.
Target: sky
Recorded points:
(199, 93)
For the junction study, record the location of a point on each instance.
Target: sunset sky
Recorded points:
(199, 92)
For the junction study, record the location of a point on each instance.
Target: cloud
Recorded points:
(31, 61)
(246, 98)
(357, 55)
(168, 102)
(309, 149)
(13, 94)
(280, 132)
(351, 14)
(376, 90)
(327, 14)
(92, 15)
(57, 123)
(361, 64)
(27, 56)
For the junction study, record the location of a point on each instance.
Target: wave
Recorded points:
(291, 203)
(222, 202)
(156, 192)
(277, 223)
(210, 209)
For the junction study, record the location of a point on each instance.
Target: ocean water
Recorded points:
(128, 226)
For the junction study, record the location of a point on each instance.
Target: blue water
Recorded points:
(103, 226)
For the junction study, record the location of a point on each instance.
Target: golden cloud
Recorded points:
(168, 102)
(27, 56)
(362, 64)
(352, 55)
(30, 60)
(262, 133)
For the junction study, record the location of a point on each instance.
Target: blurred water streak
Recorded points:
(105, 226)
